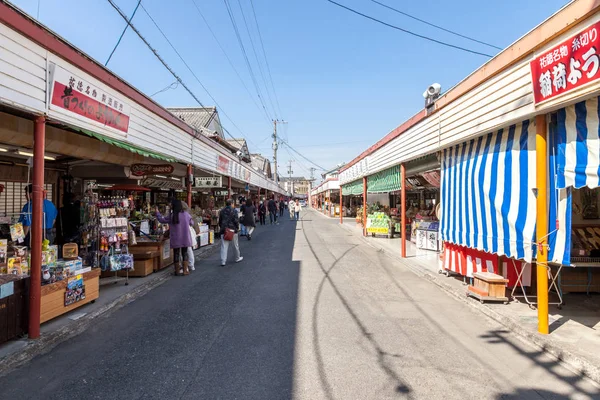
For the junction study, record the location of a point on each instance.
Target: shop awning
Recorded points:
(353, 188)
(578, 145)
(384, 181)
(487, 194)
(126, 146)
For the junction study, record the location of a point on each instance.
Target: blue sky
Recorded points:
(342, 81)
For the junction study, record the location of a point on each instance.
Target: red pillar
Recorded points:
(37, 216)
(365, 206)
(189, 185)
(229, 187)
(403, 209)
(341, 207)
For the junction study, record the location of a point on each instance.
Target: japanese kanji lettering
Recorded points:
(103, 98)
(71, 82)
(94, 93)
(564, 51)
(87, 89)
(559, 73)
(80, 86)
(576, 44)
(110, 101)
(585, 39)
(545, 84)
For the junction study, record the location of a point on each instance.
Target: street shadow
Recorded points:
(219, 333)
(542, 359)
(401, 386)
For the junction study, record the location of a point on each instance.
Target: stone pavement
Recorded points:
(312, 312)
(575, 329)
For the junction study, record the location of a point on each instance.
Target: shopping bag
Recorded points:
(229, 233)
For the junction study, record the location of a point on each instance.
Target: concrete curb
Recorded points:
(49, 341)
(565, 357)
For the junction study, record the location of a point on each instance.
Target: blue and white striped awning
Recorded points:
(486, 192)
(574, 162)
(578, 145)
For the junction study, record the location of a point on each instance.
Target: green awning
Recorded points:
(126, 146)
(384, 181)
(353, 188)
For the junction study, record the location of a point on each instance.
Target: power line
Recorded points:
(173, 85)
(435, 26)
(195, 76)
(409, 32)
(265, 55)
(245, 55)
(122, 33)
(228, 59)
(260, 69)
(298, 153)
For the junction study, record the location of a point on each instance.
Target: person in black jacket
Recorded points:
(262, 213)
(229, 219)
(249, 220)
(272, 206)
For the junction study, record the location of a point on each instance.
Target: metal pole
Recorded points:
(542, 222)
(275, 149)
(229, 187)
(403, 210)
(364, 206)
(341, 207)
(37, 218)
(189, 185)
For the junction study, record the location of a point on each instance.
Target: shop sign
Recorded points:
(208, 182)
(571, 64)
(149, 169)
(72, 93)
(247, 174)
(161, 184)
(222, 164)
(221, 193)
(432, 177)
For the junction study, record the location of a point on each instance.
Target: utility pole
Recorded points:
(275, 145)
(290, 172)
(312, 173)
(275, 149)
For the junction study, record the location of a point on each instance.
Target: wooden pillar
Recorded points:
(364, 216)
(542, 222)
(341, 207)
(403, 210)
(189, 185)
(37, 226)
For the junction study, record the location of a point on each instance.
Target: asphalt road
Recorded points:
(311, 313)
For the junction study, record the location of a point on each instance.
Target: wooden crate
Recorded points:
(162, 248)
(53, 296)
(14, 311)
(488, 287)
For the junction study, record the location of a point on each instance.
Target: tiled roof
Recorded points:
(237, 143)
(197, 117)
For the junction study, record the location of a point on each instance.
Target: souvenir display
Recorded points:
(3, 255)
(17, 233)
(75, 290)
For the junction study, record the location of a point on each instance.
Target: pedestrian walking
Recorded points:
(262, 213)
(297, 208)
(281, 207)
(229, 220)
(179, 230)
(272, 206)
(194, 232)
(249, 219)
(291, 207)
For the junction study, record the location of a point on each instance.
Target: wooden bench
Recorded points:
(488, 287)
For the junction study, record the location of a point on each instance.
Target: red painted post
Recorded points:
(189, 185)
(365, 206)
(341, 207)
(37, 218)
(403, 210)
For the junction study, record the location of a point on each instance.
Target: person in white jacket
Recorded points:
(291, 206)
